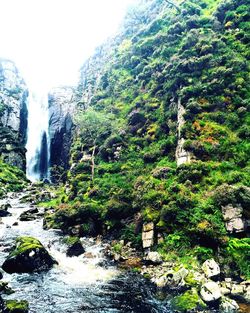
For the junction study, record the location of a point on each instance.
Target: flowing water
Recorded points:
(37, 136)
(76, 284)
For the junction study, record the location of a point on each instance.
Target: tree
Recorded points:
(93, 127)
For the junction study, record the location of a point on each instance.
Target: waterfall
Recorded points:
(37, 146)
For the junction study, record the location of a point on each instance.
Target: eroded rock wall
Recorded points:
(13, 114)
(62, 105)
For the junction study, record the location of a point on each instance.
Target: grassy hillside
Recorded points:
(192, 55)
(11, 179)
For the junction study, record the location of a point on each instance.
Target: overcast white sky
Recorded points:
(50, 39)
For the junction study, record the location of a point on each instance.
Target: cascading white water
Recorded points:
(37, 146)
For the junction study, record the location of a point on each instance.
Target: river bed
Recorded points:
(76, 284)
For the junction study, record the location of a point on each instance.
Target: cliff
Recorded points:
(162, 133)
(62, 103)
(13, 114)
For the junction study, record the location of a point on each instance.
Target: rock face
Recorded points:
(148, 235)
(29, 255)
(182, 156)
(62, 105)
(13, 114)
(233, 218)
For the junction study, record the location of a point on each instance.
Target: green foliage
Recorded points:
(188, 301)
(239, 251)
(14, 306)
(196, 54)
(11, 178)
(24, 244)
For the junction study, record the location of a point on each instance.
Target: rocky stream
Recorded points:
(87, 283)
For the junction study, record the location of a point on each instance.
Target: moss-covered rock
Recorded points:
(189, 301)
(28, 255)
(75, 247)
(14, 306)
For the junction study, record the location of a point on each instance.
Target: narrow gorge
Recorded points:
(130, 191)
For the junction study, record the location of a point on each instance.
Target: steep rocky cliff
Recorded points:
(13, 114)
(162, 133)
(62, 102)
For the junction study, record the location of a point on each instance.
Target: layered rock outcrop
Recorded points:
(13, 114)
(62, 103)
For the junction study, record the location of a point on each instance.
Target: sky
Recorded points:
(50, 39)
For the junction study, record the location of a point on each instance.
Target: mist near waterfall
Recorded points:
(49, 40)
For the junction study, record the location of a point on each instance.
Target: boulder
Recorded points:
(211, 268)
(5, 289)
(173, 280)
(228, 305)
(5, 206)
(4, 213)
(238, 290)
(210, 292)
(29, 215)
(153, 257)
(75, 247)
(28, 255)
(234, 221)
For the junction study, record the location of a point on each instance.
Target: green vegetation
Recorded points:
(11, 178)
(123, 159)
(24, 244)
(14, 306)
(188, 301)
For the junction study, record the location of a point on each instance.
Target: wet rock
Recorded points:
(211, 268)
(29, 215)
(210, 292)
(5, 289)
(228, 305)
(5, 206)
(4, 213)
(75, 247)
(28, 255)
(153, 257)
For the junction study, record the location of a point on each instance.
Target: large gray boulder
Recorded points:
(210, 292)
(211, 268)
